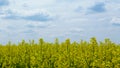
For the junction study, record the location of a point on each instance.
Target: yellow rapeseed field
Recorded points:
(66, 54)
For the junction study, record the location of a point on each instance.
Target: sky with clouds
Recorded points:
(50, 19)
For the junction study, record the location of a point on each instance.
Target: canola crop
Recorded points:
(66, 54)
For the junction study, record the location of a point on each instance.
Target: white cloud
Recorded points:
(32, 15)
(115, 21)
(39, 25)
(76, 30)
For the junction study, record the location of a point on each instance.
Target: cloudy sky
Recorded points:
(50, 19)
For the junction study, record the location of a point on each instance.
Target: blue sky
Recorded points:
(50, 19)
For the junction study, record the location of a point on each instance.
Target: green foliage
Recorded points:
(60, 55)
